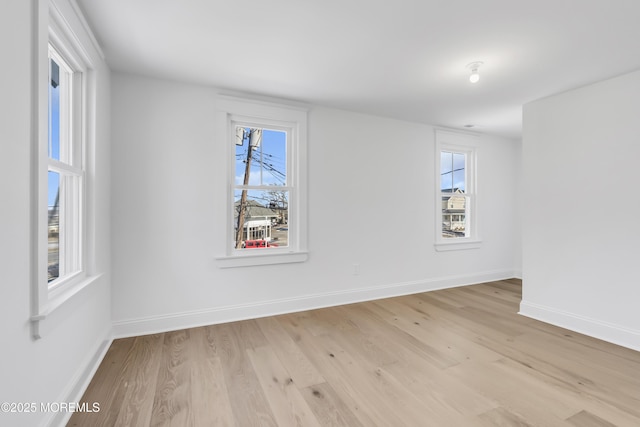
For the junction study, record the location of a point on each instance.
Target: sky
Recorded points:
(54, 141)
(268, 161)
(452, 173)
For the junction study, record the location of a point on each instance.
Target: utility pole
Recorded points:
(255, 137)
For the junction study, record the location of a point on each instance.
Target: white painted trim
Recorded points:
(176, 321)
(87, 28)
(57, 298)
(605, 331)
(78, 385)
(457, 244)
(244, 260)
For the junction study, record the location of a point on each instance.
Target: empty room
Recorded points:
(320, 213)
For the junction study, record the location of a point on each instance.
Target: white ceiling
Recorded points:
(404, 59)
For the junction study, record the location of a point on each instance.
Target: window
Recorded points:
(456, 214)
(64, 144)
(261, 192)
(64, 171)
(266, 205)
(454, 200)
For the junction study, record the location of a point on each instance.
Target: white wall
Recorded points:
(54, 368)
(580, 225)
(370, 198)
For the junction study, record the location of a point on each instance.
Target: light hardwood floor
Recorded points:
(456, 357)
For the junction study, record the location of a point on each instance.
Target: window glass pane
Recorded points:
(459, 182)
(260, 157)
(446, 170)
(54, 110)
(261, 218)
(454, 215)
(274, 157)
(241, 143)
(53, 215)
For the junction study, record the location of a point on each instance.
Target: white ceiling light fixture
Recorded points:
(474, 77)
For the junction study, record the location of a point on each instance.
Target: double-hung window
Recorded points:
(65, 173)
(65, 145)
(456, 192)
(261, 190)
(266, 201)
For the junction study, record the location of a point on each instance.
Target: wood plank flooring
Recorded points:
(455, 357)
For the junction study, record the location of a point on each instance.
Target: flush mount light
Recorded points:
(474, 77)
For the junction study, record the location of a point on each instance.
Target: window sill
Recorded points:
(58, 297)
(458, 245)
(233, 261)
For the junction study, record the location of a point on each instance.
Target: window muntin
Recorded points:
(261, 193)
(64, 170)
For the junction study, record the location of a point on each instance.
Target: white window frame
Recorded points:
(70, 168)
(56, 36)
(466, 144)
(232, 112)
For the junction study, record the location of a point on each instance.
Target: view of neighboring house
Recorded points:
(258, 220)
(453, 213)
(53, 239)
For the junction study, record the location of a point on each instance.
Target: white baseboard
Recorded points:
(78, 384)
(176, 321)
(609, 332)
